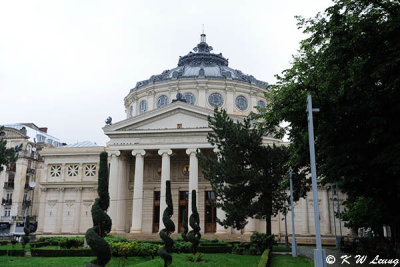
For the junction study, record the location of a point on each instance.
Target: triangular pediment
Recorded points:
(174, 116)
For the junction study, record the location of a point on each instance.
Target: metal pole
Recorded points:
(294, 243)
(338, 210)
(319, 253)
(334, 218)
(286, 235)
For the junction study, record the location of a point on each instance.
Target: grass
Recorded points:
(6, 261)
(289, 261)
(16, 246)
(281, 249)
(212, 260)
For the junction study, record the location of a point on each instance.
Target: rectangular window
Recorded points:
(210, 212)
(156, 211)
(183, 208)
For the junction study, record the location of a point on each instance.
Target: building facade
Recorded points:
(166, 124)
(19, 189)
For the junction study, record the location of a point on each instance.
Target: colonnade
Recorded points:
(118, 184)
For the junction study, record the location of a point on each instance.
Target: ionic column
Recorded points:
(77, 217)
(325, 210)
(137, 205)
(60, 210)
(193, 178)
(122, 194)
(113, 187)
(42, 207)
(165, 176)
(250, 226)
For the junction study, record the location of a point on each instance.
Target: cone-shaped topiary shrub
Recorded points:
(165, 251)
(185, 227)
(101, 221)
(194, 221)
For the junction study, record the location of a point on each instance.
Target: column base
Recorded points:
(135, 231)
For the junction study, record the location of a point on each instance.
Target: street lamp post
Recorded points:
(319, 253)
(294, 243)
(338, 211)
(286, 235)
(334, 217)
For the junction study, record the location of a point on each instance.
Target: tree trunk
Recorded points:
(268, 225)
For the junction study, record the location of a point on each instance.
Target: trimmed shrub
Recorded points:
(147, 250)
(215, 248)
(3, 252)
(264, 258)
(3, 243)
(124, 249)
(62, 253)
(262, 241)
(40, 244)
(16, 252)
(71, 242)
(115, 239)
(182, 247)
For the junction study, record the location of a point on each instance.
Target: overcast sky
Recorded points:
(67, 65)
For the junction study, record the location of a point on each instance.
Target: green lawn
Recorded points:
(62, 261)
(220, 260)
(16, 246)
(223, 260)
(289, 261)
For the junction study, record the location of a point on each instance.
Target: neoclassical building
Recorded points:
(166, 123)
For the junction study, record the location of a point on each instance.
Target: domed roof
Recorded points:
(202, 64)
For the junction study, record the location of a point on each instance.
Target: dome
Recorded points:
(202, 64)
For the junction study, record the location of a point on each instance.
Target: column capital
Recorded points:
(115, 153)
(191, 151)
(166, 152)
(135, 152)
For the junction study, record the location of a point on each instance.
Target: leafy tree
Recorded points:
(101, 221)
(350, 64)
(7, 155)
(247, 178)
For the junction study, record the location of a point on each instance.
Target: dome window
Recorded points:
(131, 111)
(241, 102)
(190, 98)
(143, 106)
(216, 100)
(261, 104)
(162, 101)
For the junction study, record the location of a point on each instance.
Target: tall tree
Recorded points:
(7, 155)
(350, 64)
(101, 221)
(247, 177)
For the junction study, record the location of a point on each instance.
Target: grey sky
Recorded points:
(68, 65)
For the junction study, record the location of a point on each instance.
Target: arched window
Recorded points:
(190, 98)
(162, 101)
(241, 102)
(131, 111)
(143, 106)
(261, 104)
(216, 100)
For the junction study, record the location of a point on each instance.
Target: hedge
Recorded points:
(215, 248)
(3, 243)
(3, 252)
(62, 253)
(264, 258)
(12, 252)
